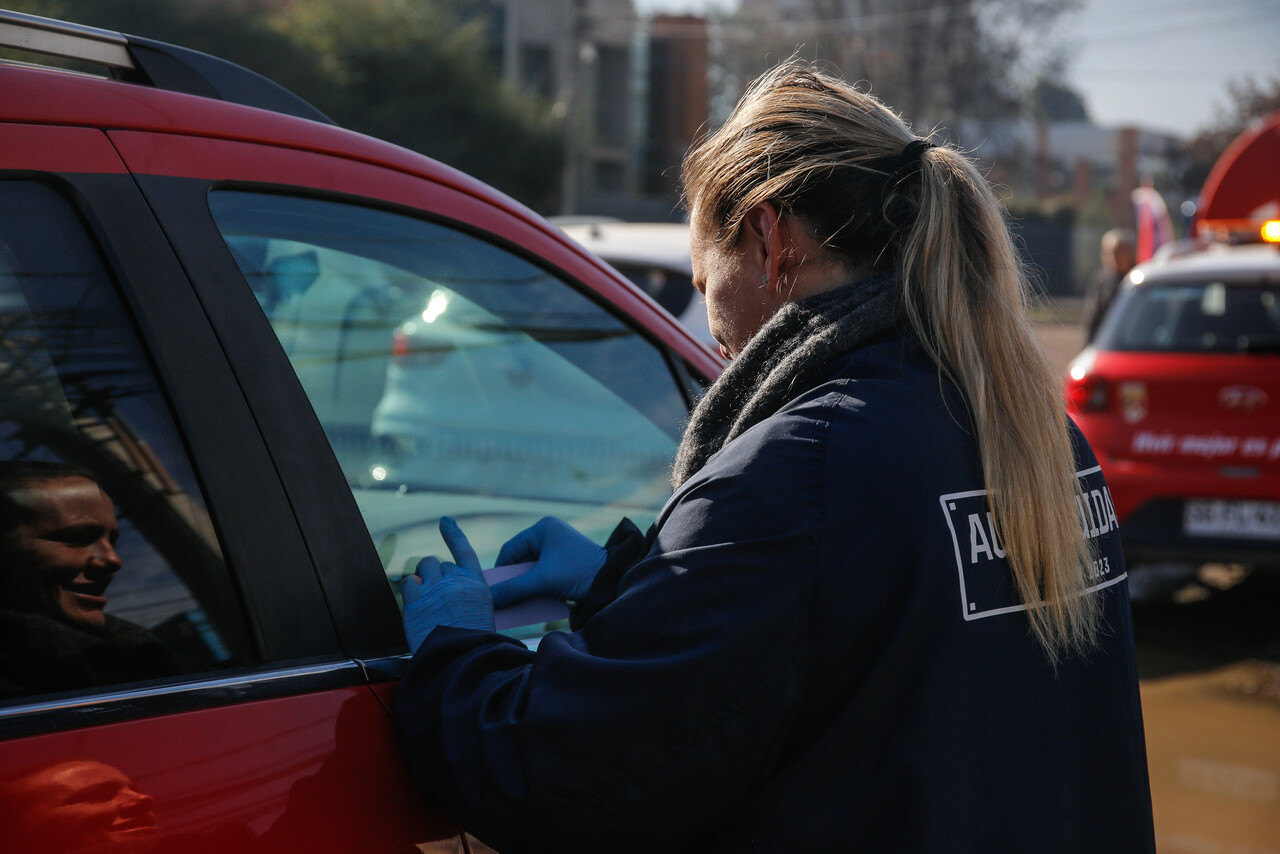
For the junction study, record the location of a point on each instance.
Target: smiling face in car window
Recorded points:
(60, 559)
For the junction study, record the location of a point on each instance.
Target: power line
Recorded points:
(1206, 21)
(1148, 71)
(888, 19)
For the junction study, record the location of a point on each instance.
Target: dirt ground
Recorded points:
(1061, 330)
(1062, 341)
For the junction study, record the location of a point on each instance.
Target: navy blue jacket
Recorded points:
(820, 650)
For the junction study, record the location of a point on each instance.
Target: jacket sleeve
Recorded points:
(641, 729)
(625, 548)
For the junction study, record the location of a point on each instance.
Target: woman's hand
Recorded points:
(566, 563)
(446, 594)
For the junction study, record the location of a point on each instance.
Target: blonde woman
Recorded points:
(884, 608)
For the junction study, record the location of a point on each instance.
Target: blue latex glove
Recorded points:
(566, 563)
(446, 594)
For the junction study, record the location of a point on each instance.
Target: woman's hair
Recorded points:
(843, 163)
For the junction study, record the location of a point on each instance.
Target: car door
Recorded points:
(455, 355)
(211, 705)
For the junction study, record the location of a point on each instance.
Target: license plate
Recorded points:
(1256, 520)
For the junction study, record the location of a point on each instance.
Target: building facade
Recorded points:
(580, 55)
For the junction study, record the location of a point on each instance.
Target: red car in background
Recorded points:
(220, 307)
(1179, 395)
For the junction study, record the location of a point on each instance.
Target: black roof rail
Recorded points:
(152, 63)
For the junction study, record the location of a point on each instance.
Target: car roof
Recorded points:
(52, 96)
(39, 95)
(659, 244)
(1249, 262)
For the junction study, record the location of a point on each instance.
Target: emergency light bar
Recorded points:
(1239, 230)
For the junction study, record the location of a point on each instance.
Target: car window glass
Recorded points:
(671, 289)
(454, 378)
(110, 570)
(1196, 317)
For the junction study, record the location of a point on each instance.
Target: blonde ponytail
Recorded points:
(965, 292)
(833, 158)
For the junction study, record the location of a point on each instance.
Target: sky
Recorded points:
(1158, 64)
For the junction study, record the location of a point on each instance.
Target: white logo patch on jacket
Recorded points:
(986, 584)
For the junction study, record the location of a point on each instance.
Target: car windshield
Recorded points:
(1195, 317)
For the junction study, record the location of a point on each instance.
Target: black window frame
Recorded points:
(267, 557)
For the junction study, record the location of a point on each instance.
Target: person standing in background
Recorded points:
(1118, 250)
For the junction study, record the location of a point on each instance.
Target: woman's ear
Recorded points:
(764, 242)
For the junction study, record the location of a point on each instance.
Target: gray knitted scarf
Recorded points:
(778, 363)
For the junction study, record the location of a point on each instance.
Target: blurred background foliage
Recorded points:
(415, 74)
(1247, 100)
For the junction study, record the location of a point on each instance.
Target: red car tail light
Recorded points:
(1087, 393)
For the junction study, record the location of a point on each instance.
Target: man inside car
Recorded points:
(57, 558)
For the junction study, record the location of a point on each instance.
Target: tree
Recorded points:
(407, 71)
(937, 61)
(411, 73)
(1054, 101)
(1247, 100)
(231, 31)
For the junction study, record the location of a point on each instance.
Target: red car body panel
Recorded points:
(1179, 396)
(1175, 423)
(300, 773)
(291, 774)
(320, 771)
(41, 148)
(39, 96)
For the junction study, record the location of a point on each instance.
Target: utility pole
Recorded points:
(573, 97)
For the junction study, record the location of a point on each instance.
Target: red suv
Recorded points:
(248, 360)
(1179, 396)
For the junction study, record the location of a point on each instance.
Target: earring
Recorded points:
(764, 280)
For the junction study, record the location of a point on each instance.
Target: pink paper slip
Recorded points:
(539, 609)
